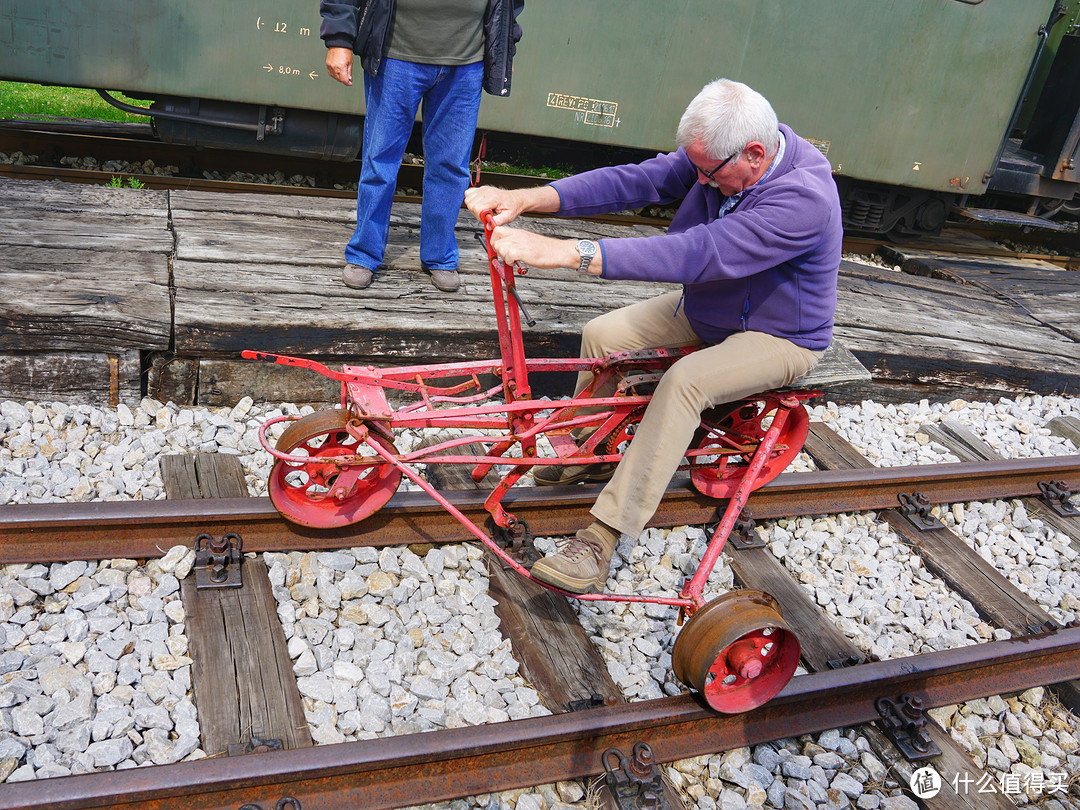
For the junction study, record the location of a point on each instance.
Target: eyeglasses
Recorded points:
(709, 175)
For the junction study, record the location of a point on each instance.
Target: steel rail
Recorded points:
(142, 529)
(439, 765)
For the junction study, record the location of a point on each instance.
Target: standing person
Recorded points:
(429, 54)
(755, 243)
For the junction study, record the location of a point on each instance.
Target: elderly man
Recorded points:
(755, 244)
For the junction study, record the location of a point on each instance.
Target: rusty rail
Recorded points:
(440, 765)
(104, 530)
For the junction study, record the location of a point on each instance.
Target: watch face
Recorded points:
(587, 247)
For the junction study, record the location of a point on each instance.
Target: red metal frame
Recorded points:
(509, 410)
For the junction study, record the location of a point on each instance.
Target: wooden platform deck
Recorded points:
(107, 294)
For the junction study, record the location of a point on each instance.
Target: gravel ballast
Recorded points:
(94, 672)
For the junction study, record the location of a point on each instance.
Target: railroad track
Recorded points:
(439, 765)
(139, 529)
(417, 768)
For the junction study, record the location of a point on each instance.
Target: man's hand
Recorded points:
(545, 252)
(509, 204)
(339, 64)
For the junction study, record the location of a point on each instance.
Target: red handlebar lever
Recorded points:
(487, 217)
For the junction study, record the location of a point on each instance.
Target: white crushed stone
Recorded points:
(385, 641)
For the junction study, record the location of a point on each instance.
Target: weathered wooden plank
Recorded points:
(330, 319)
(88, 232)
(189, 206)
(1047, 292)
(220, 476)
(179, 476)
(96, 378)
(822, 644)
(243, 680)
(927, 331)
(21, 197)
(173, 379)
(277, 230)
(83, 300)
(960, 440)
(1067, 427)
(888, 303)
(556, 656)
(836, 367)
(245, 688)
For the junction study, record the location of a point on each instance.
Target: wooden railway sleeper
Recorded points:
(636, 784)
(217, 561)
(904, 722)
(1056, 495)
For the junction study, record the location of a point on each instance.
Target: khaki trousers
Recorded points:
(743, 364)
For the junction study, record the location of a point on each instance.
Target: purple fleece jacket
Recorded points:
(768, 265)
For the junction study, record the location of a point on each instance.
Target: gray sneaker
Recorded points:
(445, 280)
(357, 277)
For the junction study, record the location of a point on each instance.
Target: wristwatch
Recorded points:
(587, 250)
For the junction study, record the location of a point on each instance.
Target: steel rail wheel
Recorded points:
(737, 652)
(718, 476)
(304, 491)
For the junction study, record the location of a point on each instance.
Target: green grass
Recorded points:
(37, 102)
(549, 172)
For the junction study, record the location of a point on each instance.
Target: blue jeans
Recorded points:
(450, 99)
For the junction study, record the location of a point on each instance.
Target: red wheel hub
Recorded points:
(736, 651)
(341, 481)
(733, 439)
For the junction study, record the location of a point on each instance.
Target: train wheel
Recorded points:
(718, 476)
(301, 491)
(737, 652)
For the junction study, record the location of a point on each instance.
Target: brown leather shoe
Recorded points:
(445, 280)
(582, 562)
(558, 475)
(357, 277)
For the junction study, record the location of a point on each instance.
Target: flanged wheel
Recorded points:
(719, 475)
(736, 651)
(304, 491)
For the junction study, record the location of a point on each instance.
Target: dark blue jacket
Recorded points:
(362, 26)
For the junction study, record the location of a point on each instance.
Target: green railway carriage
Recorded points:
(912, 101)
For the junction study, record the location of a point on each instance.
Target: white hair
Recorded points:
(726, 116)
